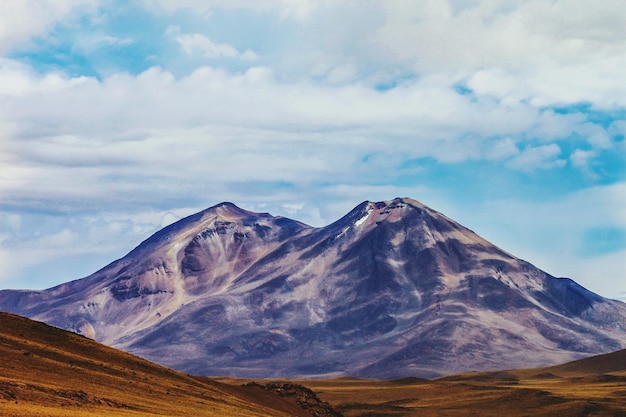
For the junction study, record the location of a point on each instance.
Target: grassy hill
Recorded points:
(45, 371)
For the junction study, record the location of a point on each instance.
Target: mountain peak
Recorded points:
(228, 209)
(377, 212)
(398, 203)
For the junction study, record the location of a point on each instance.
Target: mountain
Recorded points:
(46, 371)
(392, 289)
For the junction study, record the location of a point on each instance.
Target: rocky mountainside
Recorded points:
(392, 289)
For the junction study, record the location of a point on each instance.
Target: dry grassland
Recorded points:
(592, 387)
(48, 372)
(514, 393)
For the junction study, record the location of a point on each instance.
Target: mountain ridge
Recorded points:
(391, 289)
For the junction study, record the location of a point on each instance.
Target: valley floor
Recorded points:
(515, 393)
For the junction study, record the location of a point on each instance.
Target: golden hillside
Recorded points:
(45, 371)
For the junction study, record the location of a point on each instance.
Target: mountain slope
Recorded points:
(48, 371)
(391, 289)
(192, 258)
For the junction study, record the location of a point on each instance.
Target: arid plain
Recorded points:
(590, 387)
(594, 387)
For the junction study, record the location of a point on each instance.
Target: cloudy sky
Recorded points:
(120, 117)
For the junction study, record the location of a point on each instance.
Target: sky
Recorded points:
(118, 118)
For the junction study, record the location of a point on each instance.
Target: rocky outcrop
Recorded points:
(303, 396)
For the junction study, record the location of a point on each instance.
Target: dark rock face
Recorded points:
(392, 289)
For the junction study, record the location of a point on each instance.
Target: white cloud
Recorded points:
(600, 139)
(192, 42)
(20, 20)
(556, 53)
(560, 52)
(196, 42)
(618, 127)
(502, 149)
(65, 134)
(581, 159)
(498, 83)
(89, 43)
(539, 157)
(305, 132)
(298, 9)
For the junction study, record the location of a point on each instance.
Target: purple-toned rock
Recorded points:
(392, 289)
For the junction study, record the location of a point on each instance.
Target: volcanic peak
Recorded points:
(392, 289)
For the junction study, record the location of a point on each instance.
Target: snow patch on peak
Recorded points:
(369, 208)
(362, 220)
